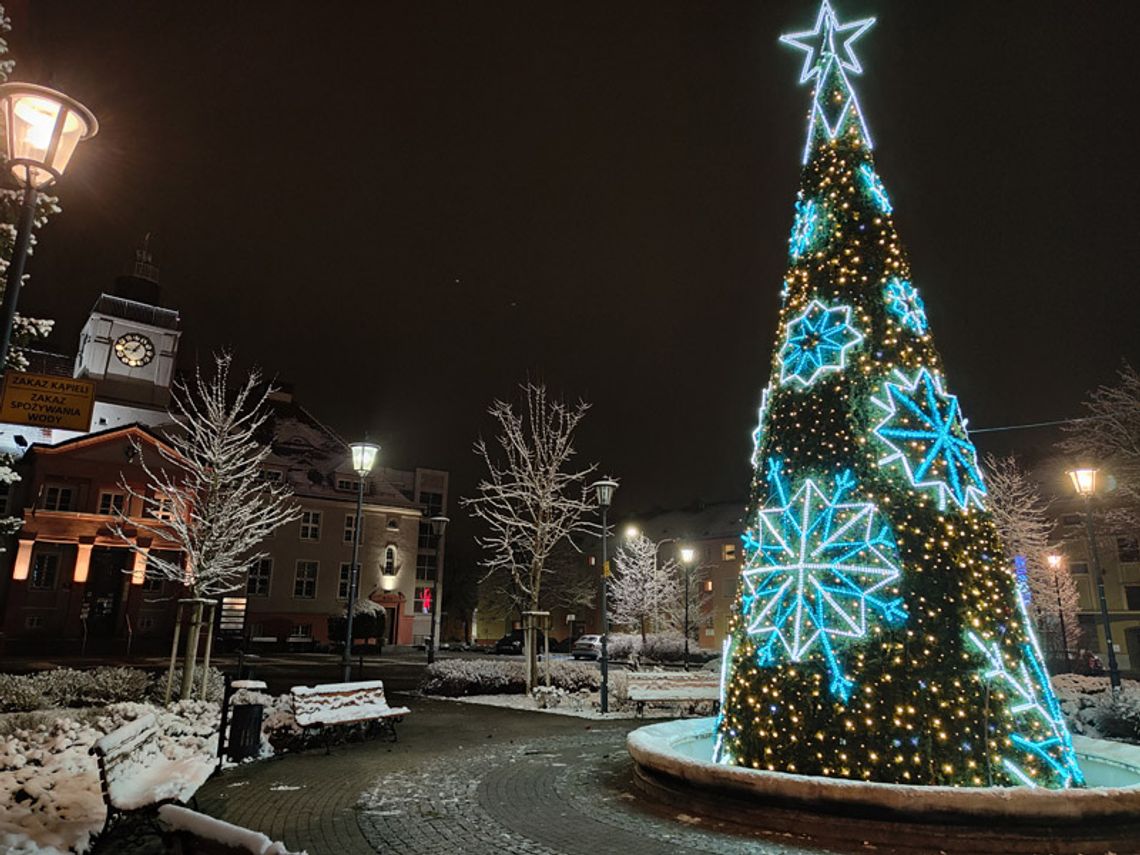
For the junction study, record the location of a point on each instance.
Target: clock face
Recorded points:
(134, 349)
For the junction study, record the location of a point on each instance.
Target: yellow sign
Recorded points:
(46, 401)
(606, 569)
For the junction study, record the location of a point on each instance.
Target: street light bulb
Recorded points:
(632, 532)
(1084, 481)
(1054, 561)
(364, 456)
(43, 129)
(688, 554)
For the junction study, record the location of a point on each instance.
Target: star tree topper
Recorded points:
(822, 61)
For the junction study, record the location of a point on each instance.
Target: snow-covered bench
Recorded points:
(334, 704)
(188, 831)
(136, 776)
(659, 688)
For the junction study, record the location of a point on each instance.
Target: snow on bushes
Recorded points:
(68, 687)
(657, 647)
(1091, 710)
(455, 678)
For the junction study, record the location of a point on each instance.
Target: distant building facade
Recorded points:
(66, 578)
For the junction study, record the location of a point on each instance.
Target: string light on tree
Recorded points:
(877, 633)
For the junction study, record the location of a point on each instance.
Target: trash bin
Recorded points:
(245, 731)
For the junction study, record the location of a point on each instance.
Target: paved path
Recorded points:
(469, 779)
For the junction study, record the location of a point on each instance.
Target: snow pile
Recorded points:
(657, 647)
(49, 782)
(459, 677)
(1091, 710)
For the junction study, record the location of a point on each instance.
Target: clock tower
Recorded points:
(129, 343)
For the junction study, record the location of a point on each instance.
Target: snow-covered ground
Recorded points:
(49, 783)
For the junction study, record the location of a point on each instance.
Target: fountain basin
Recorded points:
(674, 765)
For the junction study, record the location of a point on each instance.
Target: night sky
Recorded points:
(405, 208)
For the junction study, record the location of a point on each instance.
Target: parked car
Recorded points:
(512, 642)
(587, 647)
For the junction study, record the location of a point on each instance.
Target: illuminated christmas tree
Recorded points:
(877, 634)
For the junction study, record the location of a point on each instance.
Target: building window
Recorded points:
(1127, 549)
(152, 582)
(146, 623)
(350, 528)
(728, 552)
(302, 630)
(5, 494)
(393, 524)
(1132, 595)
(425, 568)
(390, 561)
(160, 507)
(707, 586)
(1079, 568)
(423, 600)
(34, 622)
(433, 504)
(273, 476)
(349, 485)
(257, 584)
(345, 581)
(427, 540)
(58, 498)
(305, 584)
(729, 588)
(1071, 519)
(45, 572)
(111, 504)
(310, 525)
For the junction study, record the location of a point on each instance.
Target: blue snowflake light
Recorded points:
(816, 564)
(924, 433)
(874, 186)
(805, 227)
(904, 302)
(816, 343)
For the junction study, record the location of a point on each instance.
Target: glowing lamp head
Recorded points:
(604, 490)
(42, 129)
(364, 456)
(1084, 481)
(632, 532)
(688, 554)
(1054, 560)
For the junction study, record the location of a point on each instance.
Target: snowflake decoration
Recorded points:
(875, 187)
(906, 305)
(1031, 695)
(817, 343)
(758, 434)
(925, 433)
(815, 565)
(805, 227)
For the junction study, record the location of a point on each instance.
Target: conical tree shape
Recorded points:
(877, 634)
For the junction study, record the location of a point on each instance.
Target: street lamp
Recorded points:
(688, 557)
(438, 525)
(1055, 563)
(364, 456)
(1084, 482)
(632, 532)
(604, 490)
(43, 127)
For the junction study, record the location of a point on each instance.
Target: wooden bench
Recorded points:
(188, 832)
(334, 704)
(690, 688)
(135, 776)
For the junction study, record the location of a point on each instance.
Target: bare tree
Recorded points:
(1023, 522)
(532, 498)
(1110, 437)
(643, 591)
(208, 494)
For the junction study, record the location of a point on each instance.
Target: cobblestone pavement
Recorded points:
(469, 779)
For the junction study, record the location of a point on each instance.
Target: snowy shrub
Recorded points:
(215, 685)
(113, 685)
(623, 645)
(1120, 717)
(19, 694)
(665, 647)
(455, 678)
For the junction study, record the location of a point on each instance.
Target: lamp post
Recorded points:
(1084, 482)
(688, 556)
(438, 525)
(43, 129)
(604, 490)
(364, 456)
(1055, 563)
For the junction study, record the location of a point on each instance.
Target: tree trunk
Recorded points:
(209, 645)
(190, 656)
